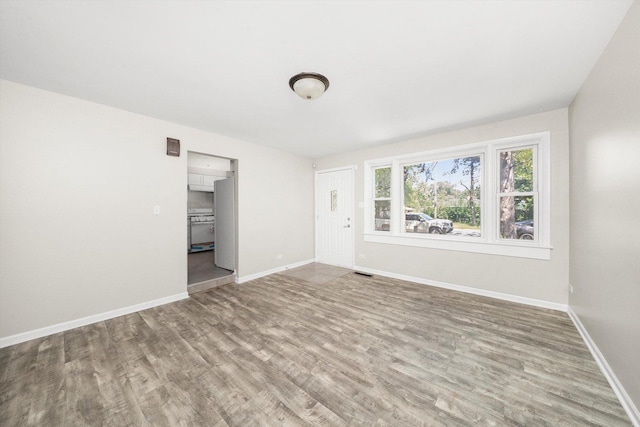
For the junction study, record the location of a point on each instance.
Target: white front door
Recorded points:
(334, 217)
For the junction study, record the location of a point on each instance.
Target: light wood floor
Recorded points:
(283, 350)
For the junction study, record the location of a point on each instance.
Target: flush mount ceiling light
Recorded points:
(309, 85)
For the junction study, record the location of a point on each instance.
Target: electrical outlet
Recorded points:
(362, 256)
(279, 256)
(570, 288)
(156, 210)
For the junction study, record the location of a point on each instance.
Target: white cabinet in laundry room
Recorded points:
(208, 180)
(198, 182)
(195, 179)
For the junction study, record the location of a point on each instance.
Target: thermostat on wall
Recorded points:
(173, 147)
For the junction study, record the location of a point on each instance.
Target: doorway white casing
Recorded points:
(335, 217)
(218, 267)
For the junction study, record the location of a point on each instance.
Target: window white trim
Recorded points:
(489, 242)
(506, 248)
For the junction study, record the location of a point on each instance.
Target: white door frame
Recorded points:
(351, 209)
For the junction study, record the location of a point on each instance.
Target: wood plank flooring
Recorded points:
(282, 350)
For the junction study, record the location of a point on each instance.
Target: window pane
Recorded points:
(334, 200)
(516, 217)
(383, 183)
(447, 193)
(516, 171)
(382, 214)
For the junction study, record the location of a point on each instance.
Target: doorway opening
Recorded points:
(211, 221)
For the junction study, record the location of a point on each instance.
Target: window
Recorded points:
(517, 194)
(382, 198)
(446, 193)
(490, 197)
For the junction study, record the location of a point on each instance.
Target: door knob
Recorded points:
(347, 226)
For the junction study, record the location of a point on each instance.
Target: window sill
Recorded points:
(512, 249)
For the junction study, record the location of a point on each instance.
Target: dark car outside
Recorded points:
(525, 229)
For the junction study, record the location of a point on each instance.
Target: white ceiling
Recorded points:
(397, 69)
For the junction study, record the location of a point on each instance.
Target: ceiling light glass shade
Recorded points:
(309, 85)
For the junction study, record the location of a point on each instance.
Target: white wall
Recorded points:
(536, 279)
(605, 204)
(78, 182)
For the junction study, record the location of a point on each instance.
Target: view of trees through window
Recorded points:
(517, 194)
(446, 189)
(382, 198)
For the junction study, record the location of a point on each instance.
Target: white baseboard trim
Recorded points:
(626, 402)
(469, 290)
(65, 326)
(244, 279)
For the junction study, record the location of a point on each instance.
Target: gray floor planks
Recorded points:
(313, 346)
